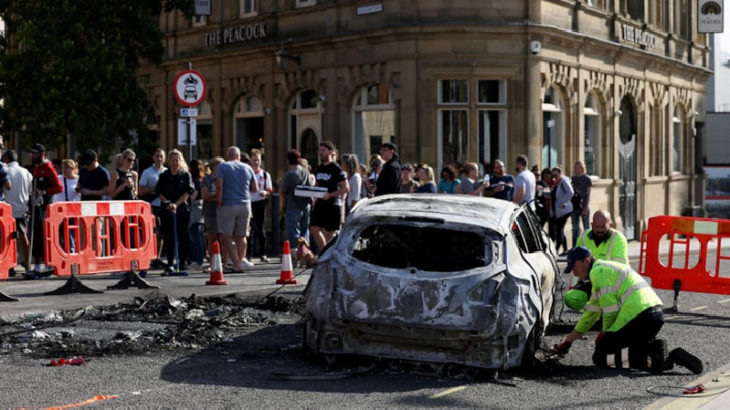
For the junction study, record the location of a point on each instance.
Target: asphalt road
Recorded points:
(245, 371)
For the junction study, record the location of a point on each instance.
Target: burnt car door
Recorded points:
(536, 253)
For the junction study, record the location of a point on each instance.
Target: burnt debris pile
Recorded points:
(145, 325)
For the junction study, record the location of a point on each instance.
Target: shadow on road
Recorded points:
(266, 358)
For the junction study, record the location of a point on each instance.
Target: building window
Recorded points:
(655, 147)
(634, 9)
(592, 129)
(199, 20)
(552, 126)
(492, 123)
(600, 4)
(454, 134)
(305, 3)
(374, 120)
(656, 13)
(681, 18)
(453, 92)
(249, 124)
(492, 135)
(492, 91)
(678, 142)
(305, 124)
(249, 8)
(455, 121)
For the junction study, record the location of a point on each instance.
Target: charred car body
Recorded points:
(434, 278)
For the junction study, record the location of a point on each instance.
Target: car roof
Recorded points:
(486, 212)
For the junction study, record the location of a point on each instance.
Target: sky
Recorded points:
(723, 39)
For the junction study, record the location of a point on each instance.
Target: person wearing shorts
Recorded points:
(327, 214)
(234, 183)
(210, 206)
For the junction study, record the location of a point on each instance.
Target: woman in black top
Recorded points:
(123, 183)
(174, 188)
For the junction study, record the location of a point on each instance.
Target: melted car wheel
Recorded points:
(532, 344)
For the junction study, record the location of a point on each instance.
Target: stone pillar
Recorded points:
(533, 109)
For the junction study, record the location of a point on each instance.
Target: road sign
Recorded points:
(188, 112)
(190, 88)
(182, 131)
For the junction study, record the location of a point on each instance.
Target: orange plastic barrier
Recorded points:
(8, 252)
(704, 276)
(83, 238)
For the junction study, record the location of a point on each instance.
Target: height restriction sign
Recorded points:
(190, 88)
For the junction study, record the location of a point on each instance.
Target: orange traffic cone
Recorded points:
(216, 268)
(287, 276)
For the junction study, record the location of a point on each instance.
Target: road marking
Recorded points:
(447, 392)
(724, 301)
(698, 308)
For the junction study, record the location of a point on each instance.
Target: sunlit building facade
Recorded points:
(617, 84)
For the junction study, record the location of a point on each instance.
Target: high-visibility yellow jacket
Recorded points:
(614, 248)
(619, 293)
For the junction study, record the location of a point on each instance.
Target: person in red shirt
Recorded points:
(45, 185)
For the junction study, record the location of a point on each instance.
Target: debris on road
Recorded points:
(73, 361)
(144, 325)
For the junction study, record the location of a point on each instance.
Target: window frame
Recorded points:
(556, 108)
(441, 100)
(242, 8)
(594, 111)
(360, 105)
(305, 3)
(678, 141)
(199, 20)
(464, 139)
(502, 91)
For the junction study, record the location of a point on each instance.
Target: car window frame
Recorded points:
(525, 232)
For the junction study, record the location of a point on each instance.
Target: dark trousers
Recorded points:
(559, 232)
(257, 242)
(168, 233)
(37, 231)
(635, 336)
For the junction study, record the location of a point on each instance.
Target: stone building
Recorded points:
(619, 84)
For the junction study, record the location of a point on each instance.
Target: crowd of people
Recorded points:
(193, 204)
(226, 199)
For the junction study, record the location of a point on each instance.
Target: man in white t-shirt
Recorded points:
(524, 183)
(18, 197)
(147, 187)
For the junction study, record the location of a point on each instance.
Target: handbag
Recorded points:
(577, 201)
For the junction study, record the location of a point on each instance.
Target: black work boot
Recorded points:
(686, 359)
(657, 356)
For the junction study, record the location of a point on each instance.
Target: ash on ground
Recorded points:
(145, 326)
(233, 328)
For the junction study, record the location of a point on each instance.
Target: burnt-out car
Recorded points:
(434, 278)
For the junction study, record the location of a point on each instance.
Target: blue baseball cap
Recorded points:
(576, 254)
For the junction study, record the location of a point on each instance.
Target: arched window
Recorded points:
(592, 131)
(552, 126)
(249, 123)
(305, 124)
(678, 135)
(374, 120)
